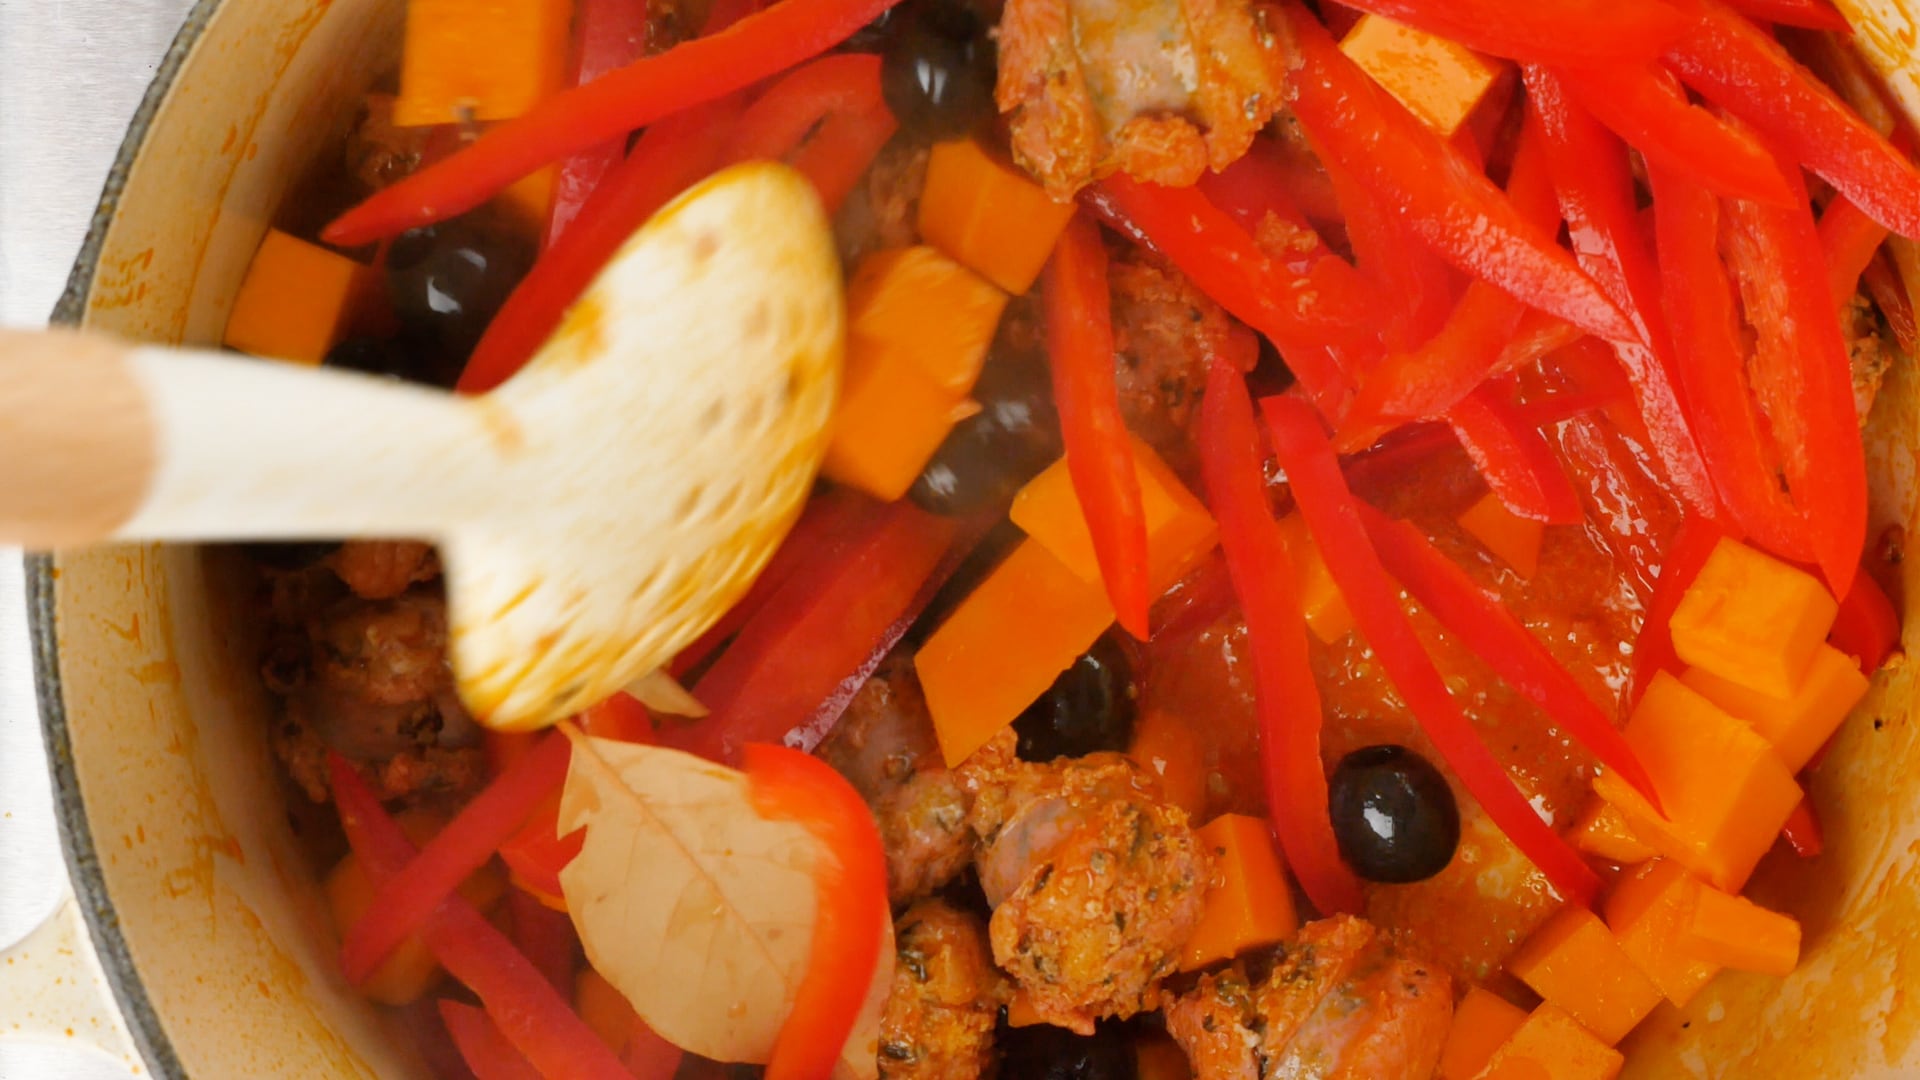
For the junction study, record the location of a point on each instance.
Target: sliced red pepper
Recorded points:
(1539, 334)
(544, 935)
(1629, 509)
(1867, 626)
(1739, 67)
(1701, 303)
(407, 897)
(1269, 179)
(485, 1050)
(850, 601)
(1802, 831)
(1099, 453)
(1285, 695)
(1646, 106)
(850, 899)
(1586, 32)
(1810, 14)
(1686, 553)
(608, 34)
(536, 852)
(830, 94)
(1500, 639)
(1890, 294)
(1199, 601)
(1850, 239)
(620, 717)
(1595, 182)
(1333, 518)
(648, 1056)
(1416, 288)
(1450, 205)
(1802, 377)
(533, 1017)
(652, 88)
(838, 155)
(1513, 458)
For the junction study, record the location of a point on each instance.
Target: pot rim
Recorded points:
(136, 1006)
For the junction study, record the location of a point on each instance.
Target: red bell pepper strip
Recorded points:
(1630, 510)
(1099, 454)
(830, 94)
(1849, 239)
(1539, 334)
(544, 936)
(1285, 695)
(850, 898)
(841, 151)
(1889, 293)
(1867, 626)
(816, 630)
(1646, 106)
(607, 34)
(536, 852)
(1513, 458)
(1701, 304)
(1431, 187)
(1686, 553)
(1803, 379)
(648, 1056)
(652, 88)
(533, 1017)
(1333, 518)
(1268, 179)
(1809, 14)
(1500, 639)
(485, 1050)
(1802, 831)
(619, 717)
(404, 900)
(1416, 287)
(1591, 173)
(1199, 601)
(1737, 66)
(1585, 32)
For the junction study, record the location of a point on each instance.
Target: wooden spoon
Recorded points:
(595, 513)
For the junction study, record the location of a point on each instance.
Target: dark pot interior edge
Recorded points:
(69, 806)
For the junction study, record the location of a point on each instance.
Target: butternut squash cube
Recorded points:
(1248, 903)
(990, 217)
(915, 305)
(1799, 725)
(1552, 1045)
(1326, 607)
(1738, 933)
(1752, 620)
(1603, 832)
(1438, 80)
(1574, 962)
(1513, 539)
(1725, 791)
(483, 59)
(891, 419)
(1646, 911)
(1048, 510)
(1482, 1024)
(297, 300)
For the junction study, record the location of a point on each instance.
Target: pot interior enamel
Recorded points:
(205, 911)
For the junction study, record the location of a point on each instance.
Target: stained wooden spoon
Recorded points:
(595, 513)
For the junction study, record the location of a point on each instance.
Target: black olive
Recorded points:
(448, 280)
(1088, 708)
(937, 69)
(406, 358)
(990, 454)
(289, 554)
(1045, 1052)
(873, 37)
(1393, 815)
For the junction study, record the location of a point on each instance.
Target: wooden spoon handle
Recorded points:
(107, 440)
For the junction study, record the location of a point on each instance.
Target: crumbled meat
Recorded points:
(388, 652)
(946, 996)
(1869, 353)
(378, 151)
(1158, 89)
(1165, 331)
(383, 569)
(883, 209)
(1342, 1002)
(884, 745)
(1095, 882)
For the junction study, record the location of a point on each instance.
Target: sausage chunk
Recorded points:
(1165, 332)
(383, 569)
(946, 996)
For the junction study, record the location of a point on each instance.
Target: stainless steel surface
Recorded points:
(71, 73)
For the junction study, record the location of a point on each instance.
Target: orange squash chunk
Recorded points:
(1604, 833)
(486, 59)
(1574, 962)
(989, 216)
(1438, 80)
(1482, 1024)
(1163, 746)
(1752, 620)
(1552, 1045)
(916, 306)
(890, 421)
(1179, 529)
(1248, 903)
(1798, 725)
(1324, 604)
(1725, 791)
(1646, 911)
(1738, 933)
(296, 301)
(1512, 538)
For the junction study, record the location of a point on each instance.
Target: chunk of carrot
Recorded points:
(1798, 725)
(919, 306)
(1325, 606)
(1165, 747)
(1725, 791)
(1736, 932)
(480, 59)
(1438, 80)
(891, 419)
(1247, 904)
(1604, 833)
(1179, 529)
(989, 216)
(1482, 1024)
(1551, 1045)
(1645, 911)
(1574, 962)
(1752, 620)
(604, 1009)
(1027, 622)
(296, 301)
(1513, 539)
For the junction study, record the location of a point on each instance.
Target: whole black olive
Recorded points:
(937, 69)
(1393, 815)
(413, 361)
(289, 554)
(1045, 1052)
(990, 454)
(1088, 708)
(448, 280)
